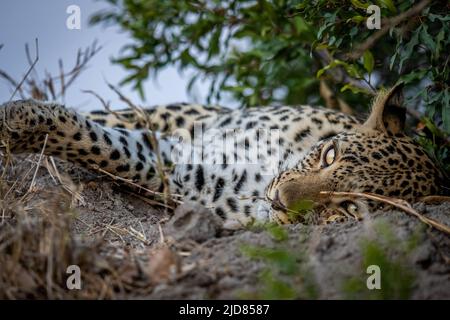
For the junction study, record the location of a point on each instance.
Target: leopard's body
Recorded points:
(244, 164)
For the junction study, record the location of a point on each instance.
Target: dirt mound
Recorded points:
(125, 247)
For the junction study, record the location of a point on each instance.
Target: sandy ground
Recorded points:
(297, 261)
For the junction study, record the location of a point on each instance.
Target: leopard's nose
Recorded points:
(276, 201)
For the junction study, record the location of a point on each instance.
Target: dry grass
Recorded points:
(38, 242)
(37, 238)
(49, 86)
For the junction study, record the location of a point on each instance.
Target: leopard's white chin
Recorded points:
(263, 212)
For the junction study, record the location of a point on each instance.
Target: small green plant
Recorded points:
(301, 210)
(274, 288)
(390, 254)
(286, 274)
(277, 232)
(437, 144)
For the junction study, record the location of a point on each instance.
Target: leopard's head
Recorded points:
(376, 157)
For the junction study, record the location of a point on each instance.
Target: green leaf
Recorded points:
(332, 40)
(302, 206)
(427, 39)
(321, 31)
(388, 4)
(276, 289)
(353, 32)
(368, 61)
(393, 58)
(277, 232)
(406, 54)
(358, 4)
(358, 19)
(439, 39)
(433, 17)
(353, 89)
(446, 110)
(414, 75)
(282, 259)
(350, 68)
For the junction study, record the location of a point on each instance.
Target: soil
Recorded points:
(212, 263)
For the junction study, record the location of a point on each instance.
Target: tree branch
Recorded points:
(339, 75)
(387, 24)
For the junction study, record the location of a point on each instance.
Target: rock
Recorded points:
(193, 221)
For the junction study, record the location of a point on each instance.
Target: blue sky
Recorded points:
(21, 21)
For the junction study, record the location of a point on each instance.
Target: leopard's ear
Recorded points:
(388, 113)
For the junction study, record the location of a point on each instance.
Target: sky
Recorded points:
(21, 21)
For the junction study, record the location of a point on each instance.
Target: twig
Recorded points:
(106, 105)
(80, 65)
(339, 75)
(28, 72)
(398, 203)
(39, 89)
(153, 140)
(434, 199)
(138, 235)
(13, 82)
(162, 239)
(147, 200)
(135, 184)
(38, 164)
(30, 62)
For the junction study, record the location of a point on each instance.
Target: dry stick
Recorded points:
(30, 61)
(20, 84)
(153, 141)
(21, 182)
(135, 184)
(398, 203)
(81, 64)
(138, 235)
(140, 114)
(62, 78)
(147, 200)
(106, 105)
(67, 185)
(38, 164)
(387, 24)
(434, 199)
(39, 88)
(13, 82)
(28, 72)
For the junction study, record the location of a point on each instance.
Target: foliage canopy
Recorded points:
(263, 52)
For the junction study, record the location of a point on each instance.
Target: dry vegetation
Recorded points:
(38, 240)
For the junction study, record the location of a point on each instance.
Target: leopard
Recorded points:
(244, 164)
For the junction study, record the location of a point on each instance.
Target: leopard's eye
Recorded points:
(329, 156)
(352, 209)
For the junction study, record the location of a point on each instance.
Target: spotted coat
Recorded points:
(244, 164)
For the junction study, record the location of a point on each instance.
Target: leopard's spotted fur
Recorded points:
(371, 157)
